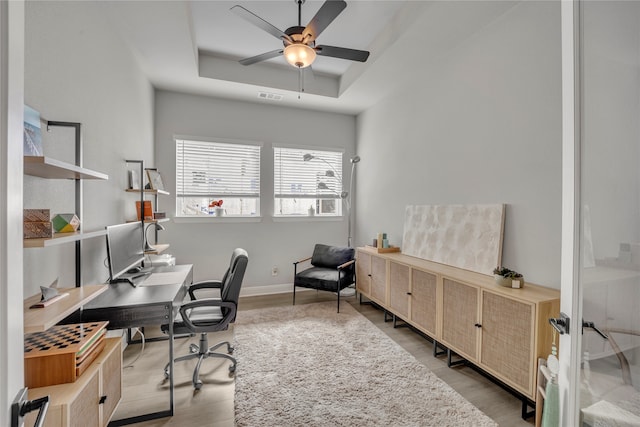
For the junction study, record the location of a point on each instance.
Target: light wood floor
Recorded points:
(146, 391)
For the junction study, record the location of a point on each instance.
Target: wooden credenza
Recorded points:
(501, 330)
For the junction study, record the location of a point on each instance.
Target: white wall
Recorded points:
(270, 243)
(482, 124)
(77, 69)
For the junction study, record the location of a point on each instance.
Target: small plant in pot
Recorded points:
(505, 277)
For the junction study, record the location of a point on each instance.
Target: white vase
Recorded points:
(220, 212)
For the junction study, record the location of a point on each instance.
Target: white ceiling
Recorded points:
(194, 46)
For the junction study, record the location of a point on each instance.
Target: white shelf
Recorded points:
(46, 167)
(41, 319)
(148, 191)
(61, 238)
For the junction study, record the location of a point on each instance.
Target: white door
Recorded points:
(12, 27)
(600, 358)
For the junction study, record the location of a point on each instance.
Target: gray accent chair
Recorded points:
(211, 315)
(332, 269)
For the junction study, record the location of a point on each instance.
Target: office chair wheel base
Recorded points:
(197, 385)
(193, 348)
(230, 350)
(166, 374)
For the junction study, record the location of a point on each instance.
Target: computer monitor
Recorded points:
(125, 243)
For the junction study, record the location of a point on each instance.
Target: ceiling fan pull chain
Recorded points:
(299, 81)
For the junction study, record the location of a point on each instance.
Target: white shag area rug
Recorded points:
(307, 365)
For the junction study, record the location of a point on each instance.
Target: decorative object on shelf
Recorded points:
(216, 206)
(508, 278)
(147, 246)
(148, 211)
(36, 215)
(65, 223)
(159, 215)
(62, 353)
(134, 179)
(32, 132)
(36, 224)
(389, 249)
(312, 211)
(155, 180)
(49, 295)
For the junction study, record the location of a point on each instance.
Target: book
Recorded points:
(148, 211)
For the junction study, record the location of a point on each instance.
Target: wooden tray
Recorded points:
(383, 250)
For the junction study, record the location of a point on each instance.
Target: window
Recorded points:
(207, 172)
(307, 180)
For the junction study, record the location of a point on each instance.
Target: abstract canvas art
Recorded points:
(464, 236)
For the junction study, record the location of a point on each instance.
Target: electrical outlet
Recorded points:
(274, 271)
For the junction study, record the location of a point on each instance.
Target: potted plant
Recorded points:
(216, 205)
(505, 277)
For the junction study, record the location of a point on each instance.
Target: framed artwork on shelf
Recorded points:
(134, 179)
(155, 180)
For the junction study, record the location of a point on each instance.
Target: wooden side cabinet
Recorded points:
(89, 401)
(501, 330)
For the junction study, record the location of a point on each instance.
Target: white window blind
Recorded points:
(300, 184)
(217, 170)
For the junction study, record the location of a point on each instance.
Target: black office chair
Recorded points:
(211, 315)
(333, 270)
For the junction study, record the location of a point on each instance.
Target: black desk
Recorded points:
(127, 307)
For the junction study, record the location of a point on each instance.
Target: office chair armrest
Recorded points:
(207, 302)
(302, 260)
(205, 284)
(346, 264)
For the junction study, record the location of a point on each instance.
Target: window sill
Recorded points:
(303, 218)
(215, 219)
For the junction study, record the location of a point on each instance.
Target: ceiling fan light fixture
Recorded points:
(299, 55)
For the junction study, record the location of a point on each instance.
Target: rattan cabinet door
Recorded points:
(379, 279)
(83, 411)
(460, 324)
(399, 292)
(111, 377)
(363, 273)
(507, 340)
(423, 300)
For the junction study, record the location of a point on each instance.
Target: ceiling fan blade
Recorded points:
(325, 16)
(261, 57)
(343, 53)
(259, 22)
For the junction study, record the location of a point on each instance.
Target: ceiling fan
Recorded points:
(299, 42)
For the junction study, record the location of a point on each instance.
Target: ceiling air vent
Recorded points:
(270, 96)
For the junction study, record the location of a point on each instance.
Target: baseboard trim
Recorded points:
(252, 291)
(284, 288)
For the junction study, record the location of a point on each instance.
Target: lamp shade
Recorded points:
(299, 55)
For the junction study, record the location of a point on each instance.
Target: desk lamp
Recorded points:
(147, 246)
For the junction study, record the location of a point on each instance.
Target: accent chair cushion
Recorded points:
(325, 279)
(331, 256)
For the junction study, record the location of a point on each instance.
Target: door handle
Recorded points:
(590, 325)
(561, 324)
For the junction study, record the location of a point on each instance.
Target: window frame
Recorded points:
(180, 216)
(316, 169)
